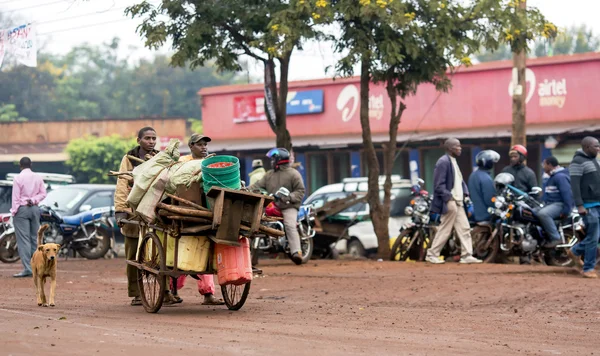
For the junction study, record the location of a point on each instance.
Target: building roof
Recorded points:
(532, 62)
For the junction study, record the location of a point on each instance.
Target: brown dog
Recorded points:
(43, 265)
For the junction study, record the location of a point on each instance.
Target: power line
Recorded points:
(78, 16)
(33, 7)
(84, 26)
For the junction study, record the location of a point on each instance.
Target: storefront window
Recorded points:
(317, 174)
(340, 166)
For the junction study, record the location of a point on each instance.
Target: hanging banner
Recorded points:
(22, 44)
(3, 43)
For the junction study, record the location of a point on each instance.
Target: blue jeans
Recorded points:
(547, 215)
(587, 248)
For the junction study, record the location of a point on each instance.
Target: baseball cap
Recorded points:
(197, 137)
(257, 163)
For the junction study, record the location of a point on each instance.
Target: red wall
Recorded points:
(479, 98)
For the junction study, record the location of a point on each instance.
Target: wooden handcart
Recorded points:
(232, 214)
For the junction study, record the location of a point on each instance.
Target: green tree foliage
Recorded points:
(403, 44)
(9, 112)
(91, 158)
(93, 82)
(228, 30)
(576, 39)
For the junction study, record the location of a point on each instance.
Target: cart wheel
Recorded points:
(152, 285)
(235, 296)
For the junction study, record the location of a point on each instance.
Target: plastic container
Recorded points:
(225, 177)
(193, 253)
(234, 265)
(169, 247)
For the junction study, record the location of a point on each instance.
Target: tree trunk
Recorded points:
(388, 165)
(283, 135)
(276, 100)
(377, 211)
(519, 134)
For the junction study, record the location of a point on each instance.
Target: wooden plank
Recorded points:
(187, 202)
(218, 209)
(196, 229)
(185, 211)
(189, 218)
(144, 267)
(258, 212)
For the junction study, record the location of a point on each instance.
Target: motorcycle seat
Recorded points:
(484, 224)
(77, 219)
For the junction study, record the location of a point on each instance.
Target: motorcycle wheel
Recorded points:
(307, 245)
(406, 246)
(102, 245)
(9, 252)
(480, 235)
(559, 257)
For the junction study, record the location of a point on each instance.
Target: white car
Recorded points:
(362, 239)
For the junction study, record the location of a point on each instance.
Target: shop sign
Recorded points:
(551, 91)
(305, 102)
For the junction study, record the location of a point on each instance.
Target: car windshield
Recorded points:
(5, 199)
(64, 198)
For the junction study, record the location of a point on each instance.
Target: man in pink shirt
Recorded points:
(28, 191)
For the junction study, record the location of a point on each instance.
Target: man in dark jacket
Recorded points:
(557, 199)
(585, 182)
(525, 178)
(284, 176)
(450, 191)
(481, 185)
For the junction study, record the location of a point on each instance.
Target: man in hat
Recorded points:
(198, 145)
(525, 178)
(258, 171)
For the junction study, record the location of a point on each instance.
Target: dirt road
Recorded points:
(323, 308)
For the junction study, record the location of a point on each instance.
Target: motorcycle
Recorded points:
(416, 236)
(9, 252)
(263, 243)
(516, 230)
(84, 233)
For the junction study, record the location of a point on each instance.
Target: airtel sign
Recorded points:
(551, 92)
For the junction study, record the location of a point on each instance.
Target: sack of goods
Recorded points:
(150, 179)
(184, 174)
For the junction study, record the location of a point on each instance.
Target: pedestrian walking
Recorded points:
(585, 182)
(28, 191)
(450, 191)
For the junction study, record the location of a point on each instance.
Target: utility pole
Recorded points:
(519, 134)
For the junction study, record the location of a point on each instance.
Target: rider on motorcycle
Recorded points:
(282, 175)
(558, 199)
(481, 184)
(525, 178)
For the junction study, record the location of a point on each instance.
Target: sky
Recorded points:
(64, 24)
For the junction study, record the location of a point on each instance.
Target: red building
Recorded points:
(324, 118)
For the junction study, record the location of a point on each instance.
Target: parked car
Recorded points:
(362, 239)
(76, 198)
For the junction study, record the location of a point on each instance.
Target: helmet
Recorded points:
(278, 157)
(519, 149)
(486, 159)
(504, 179)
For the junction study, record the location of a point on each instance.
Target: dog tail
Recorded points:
(40, 240)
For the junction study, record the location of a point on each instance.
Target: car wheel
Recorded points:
(356, 249)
